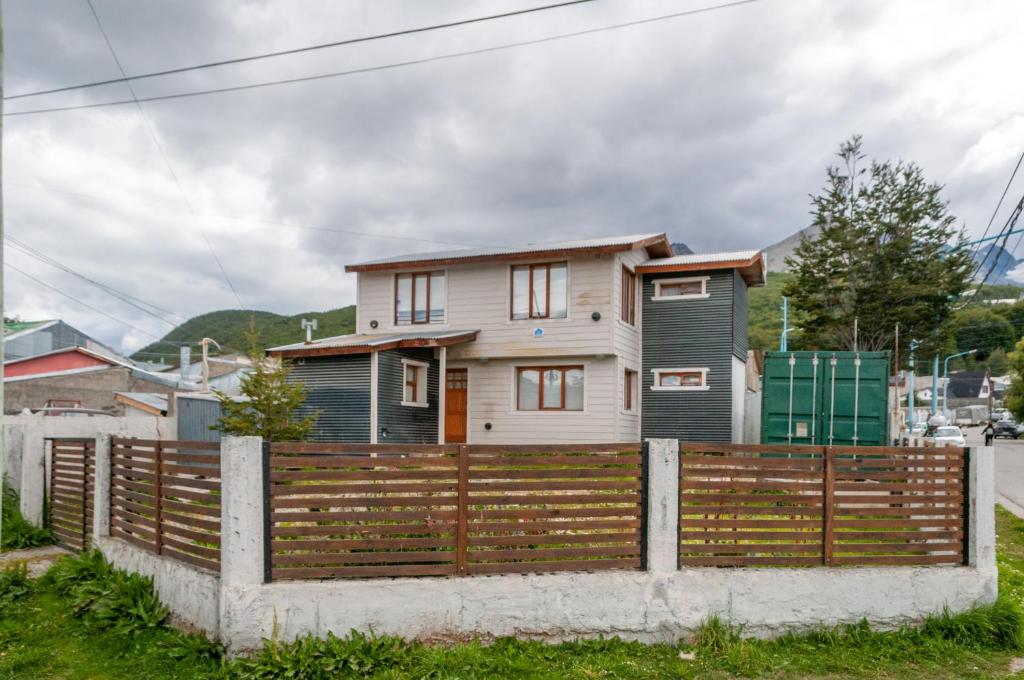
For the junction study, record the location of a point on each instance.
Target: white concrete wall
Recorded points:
(192, 595)
(30, 457)
(659, 604)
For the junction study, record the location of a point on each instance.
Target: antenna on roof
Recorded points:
(309, 327)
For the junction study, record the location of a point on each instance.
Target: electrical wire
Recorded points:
(385, 67)
(163, 154)
(131, 300)
(299, 50)
(996, 212)
(292, 225)
(84, 304)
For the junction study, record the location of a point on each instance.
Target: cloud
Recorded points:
(713, 128)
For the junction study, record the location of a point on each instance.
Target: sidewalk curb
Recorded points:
(1009, 505)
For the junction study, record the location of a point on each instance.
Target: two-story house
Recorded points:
(598, 340)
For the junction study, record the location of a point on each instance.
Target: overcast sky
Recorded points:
(713, 128)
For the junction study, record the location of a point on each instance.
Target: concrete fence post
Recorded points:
(101, 488)
(32, 498)
(241, 512)
(662, 505)
(980, 508)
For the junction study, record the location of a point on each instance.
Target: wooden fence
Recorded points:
(341, 510)
(812, 505)
(72, 485)
(165, 498)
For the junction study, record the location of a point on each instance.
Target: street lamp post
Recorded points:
(945, 380)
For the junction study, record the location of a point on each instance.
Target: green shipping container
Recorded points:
(826, 398)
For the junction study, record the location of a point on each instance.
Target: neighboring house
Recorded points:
(599, 340)
(31, 338)
(225, 373)
(79, 377)
(969, 388)
(143, 403)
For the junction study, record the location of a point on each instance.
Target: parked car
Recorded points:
(949, 435)
(1007, 428)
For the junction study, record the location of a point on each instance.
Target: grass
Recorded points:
(17, 533)
(84, 619)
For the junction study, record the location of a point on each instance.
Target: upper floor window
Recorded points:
(627, 310)
(540, 291)
(680, 379)
(419, 298)
(681, 289)
(549, 388)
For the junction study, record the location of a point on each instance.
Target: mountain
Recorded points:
(777, 253)
(681, 249)
(1004, 262)
(228, 327)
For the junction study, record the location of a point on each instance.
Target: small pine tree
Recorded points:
(270, 409)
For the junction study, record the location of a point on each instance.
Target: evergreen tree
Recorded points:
(270, 403)
(887, 253)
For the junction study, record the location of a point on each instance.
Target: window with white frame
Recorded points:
(414, 387)
(680, 379)
(689, 288)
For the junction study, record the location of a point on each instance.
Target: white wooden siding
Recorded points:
(478, 298)
(492, 400)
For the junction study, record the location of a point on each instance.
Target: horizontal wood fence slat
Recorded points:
(778, 505)
(72, 489)
(165, 498)
(360, 511)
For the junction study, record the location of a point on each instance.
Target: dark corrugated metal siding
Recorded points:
(690, 334)
(196, 417)
(405, 424)
(740, 317)
(339, 389)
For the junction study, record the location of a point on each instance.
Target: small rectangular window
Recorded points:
(628, 302)
(419, 298)
(540, 291)
(414, 389)
(628, 389)
(549, 388)
(681, 289)
(680, 379)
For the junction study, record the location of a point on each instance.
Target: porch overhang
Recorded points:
(365, 343)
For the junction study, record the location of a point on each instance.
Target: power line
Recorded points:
(393, 65)
(299, 50)
(126, 298)
(996, 212)
(163, 153)
(335, 230)
(84, 304)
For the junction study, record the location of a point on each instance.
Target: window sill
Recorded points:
(656, 388)
(666, 298)
(416, 404)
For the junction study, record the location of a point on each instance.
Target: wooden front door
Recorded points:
(456, 402)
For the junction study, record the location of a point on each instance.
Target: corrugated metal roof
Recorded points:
(369, 340)
(497, 251)
(702, 258)
(14, 329)
(151, 399)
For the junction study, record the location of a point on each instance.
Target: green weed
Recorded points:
(18, 533)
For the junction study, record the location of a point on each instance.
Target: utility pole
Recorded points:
(205, 342)
(3, 443)
(785, 324)
(910, 393)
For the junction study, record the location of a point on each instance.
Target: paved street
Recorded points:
(1009, 466)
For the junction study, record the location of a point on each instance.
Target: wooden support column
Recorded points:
(158, 535)
(828, 506)
(462, 529)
